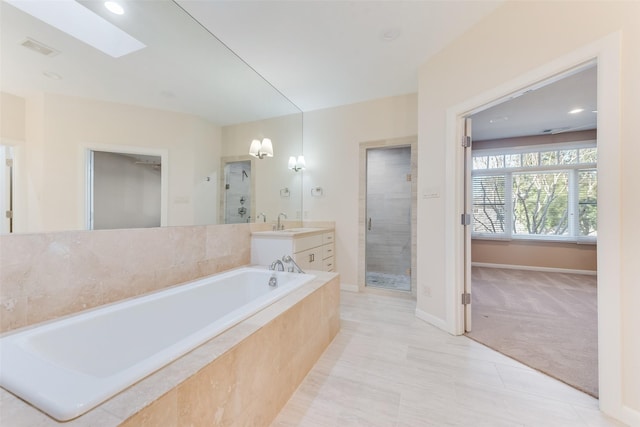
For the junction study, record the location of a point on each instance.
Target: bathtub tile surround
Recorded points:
(45, 276)
(251, 382)
(242, 377)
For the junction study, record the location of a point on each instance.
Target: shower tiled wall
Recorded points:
(48, 275)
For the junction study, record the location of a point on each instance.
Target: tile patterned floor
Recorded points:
(387, 368)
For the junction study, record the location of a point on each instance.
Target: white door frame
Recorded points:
(606, 52)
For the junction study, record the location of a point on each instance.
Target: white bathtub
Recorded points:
(69, 366)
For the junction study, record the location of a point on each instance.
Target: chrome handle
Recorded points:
(369, 225)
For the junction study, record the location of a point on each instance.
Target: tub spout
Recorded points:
(289, 260)
(273, 280)
(275, 264)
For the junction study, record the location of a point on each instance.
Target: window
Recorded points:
(543, 192)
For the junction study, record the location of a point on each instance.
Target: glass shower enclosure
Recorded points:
(388, 218)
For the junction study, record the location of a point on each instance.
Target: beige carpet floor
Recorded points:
(547, 321)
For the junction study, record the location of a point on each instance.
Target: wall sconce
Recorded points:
(261, 149)
(297, 165)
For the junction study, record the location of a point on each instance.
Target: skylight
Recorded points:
(81, 23)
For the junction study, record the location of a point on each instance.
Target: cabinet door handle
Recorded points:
(311, 257)
(369, 224)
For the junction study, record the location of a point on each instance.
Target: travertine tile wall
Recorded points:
(48, 275)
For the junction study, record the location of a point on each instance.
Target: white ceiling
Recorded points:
(323, 54)
(545, 110)
(318, 54)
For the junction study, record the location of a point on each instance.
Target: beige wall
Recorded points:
(49, 183)
(530, 253)
(516, 40)
(332, 140)
(12, 110)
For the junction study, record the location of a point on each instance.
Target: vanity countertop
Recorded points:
(292, 232)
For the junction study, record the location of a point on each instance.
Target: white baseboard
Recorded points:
(630, 416)
(432, 320)
(532, 268)
(349, 287)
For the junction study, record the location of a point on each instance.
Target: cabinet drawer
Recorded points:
(328, 237)
(304, 243)
(328, 264)
(311, 259)
(328, 250)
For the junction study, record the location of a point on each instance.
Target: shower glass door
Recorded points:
(388, 220)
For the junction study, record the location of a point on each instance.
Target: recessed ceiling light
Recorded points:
(595, 111)
(114, 7)
(499, 119)
(576, 111)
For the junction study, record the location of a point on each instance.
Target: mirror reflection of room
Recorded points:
(61, 97)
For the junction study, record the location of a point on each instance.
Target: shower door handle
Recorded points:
(369, 224)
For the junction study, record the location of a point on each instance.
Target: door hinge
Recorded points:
(9, 163)
(466, 298)
(465, 219)
(466, 141)
(8, 214)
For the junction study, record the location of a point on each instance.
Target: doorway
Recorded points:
(388, 216)
(124, 190)
(388, 241)
(531, 192)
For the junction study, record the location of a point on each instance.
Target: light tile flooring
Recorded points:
(388, 368)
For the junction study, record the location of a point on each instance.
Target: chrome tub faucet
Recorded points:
(274, 265)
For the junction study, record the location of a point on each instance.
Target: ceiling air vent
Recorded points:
(42, 49)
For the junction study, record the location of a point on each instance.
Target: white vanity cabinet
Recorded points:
(311, 248)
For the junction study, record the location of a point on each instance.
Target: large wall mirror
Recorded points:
(157, 124)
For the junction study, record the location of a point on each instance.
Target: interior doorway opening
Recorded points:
(531, 194)
(124, 190)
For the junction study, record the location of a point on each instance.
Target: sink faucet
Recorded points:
(275, 264)
(263, 215)
(281, 226)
